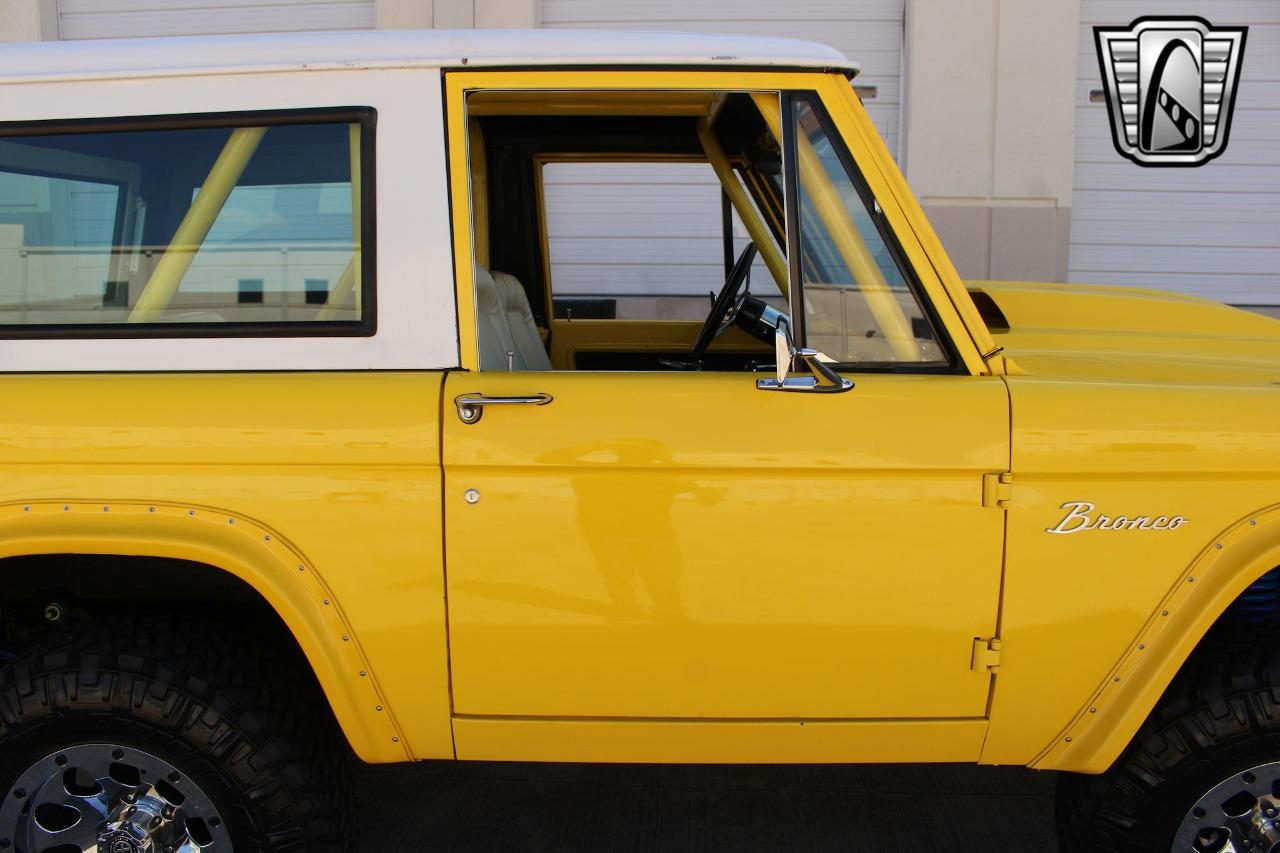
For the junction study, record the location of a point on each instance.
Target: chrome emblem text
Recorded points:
(1081, 518)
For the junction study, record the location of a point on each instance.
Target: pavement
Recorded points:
(477, 806)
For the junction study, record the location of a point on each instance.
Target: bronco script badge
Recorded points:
(1081, 518)
(1170, 86)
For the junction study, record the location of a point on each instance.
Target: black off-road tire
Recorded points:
(240, 720)
(1219, 717)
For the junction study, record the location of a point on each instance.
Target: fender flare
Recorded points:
(247, 549)
(1233, 560)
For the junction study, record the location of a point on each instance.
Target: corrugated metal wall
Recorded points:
(92, 19)
(1213, 230)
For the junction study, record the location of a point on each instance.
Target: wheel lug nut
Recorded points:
(168, 812)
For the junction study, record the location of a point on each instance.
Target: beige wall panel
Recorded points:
(1027, 243)
(403, 14)
(1035, 115)
(506, 14)
(950, 100)
(28, 20)
(965, 231)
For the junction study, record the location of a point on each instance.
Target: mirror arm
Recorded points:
(786, 353)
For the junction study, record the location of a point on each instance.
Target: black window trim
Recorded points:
(366, 326)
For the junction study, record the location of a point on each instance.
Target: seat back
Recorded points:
(491, 323)
(505, 324)
(520, 323)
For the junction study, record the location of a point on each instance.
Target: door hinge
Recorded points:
(997, 490)
(986, 654)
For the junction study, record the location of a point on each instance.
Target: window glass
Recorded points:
(639, 240)
(204, 225)
(858, 305)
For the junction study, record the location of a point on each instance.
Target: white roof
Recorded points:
(402, 48)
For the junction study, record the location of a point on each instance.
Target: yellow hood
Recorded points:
(1106, 332)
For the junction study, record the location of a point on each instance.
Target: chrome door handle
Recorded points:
(471, 406)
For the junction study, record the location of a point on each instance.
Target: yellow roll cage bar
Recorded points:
(224, 175)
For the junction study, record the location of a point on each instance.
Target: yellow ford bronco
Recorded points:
(357, 400)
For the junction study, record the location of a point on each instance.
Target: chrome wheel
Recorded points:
(110, 799)
(1239, 814)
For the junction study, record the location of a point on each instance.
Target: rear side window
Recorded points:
(244, 225)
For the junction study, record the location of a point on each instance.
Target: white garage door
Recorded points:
(1210, 231)
(92, 19)
(671, 244)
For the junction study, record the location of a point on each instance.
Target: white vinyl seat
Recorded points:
(505, 324)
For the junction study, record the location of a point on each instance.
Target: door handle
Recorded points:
(471, 406)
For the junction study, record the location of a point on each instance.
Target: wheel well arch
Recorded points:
(187, 554)
(1201, 597)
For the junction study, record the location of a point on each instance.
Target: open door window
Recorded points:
(606, 226)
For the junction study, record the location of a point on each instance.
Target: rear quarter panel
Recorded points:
(1096, 622)
(321, 490)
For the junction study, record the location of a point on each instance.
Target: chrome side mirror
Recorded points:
(822, 379)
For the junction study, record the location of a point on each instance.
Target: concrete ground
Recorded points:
(441, 806)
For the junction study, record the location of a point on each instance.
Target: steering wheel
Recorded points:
(726, 306)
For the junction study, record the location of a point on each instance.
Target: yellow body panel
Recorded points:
(682, 545)
(703, 741)
(1075, 605)
(340, 470)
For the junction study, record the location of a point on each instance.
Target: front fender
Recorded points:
(247, 549)
(1233, 560)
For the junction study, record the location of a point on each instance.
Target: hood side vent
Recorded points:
(989, 311)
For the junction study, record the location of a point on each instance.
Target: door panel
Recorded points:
(663, 545)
